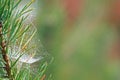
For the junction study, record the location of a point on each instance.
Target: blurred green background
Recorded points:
(78, 34)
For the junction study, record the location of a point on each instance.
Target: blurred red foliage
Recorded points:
(115, 13)
(114, 20)
(72, 8)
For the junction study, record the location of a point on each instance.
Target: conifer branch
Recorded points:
(4, 53)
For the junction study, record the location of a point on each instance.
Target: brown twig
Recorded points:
(43, 77)
(4, 53)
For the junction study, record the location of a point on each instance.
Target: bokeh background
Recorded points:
(82, 36)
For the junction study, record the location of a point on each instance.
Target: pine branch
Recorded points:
(4, 53)
(15, 33)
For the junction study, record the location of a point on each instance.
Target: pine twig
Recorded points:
(4, 53)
